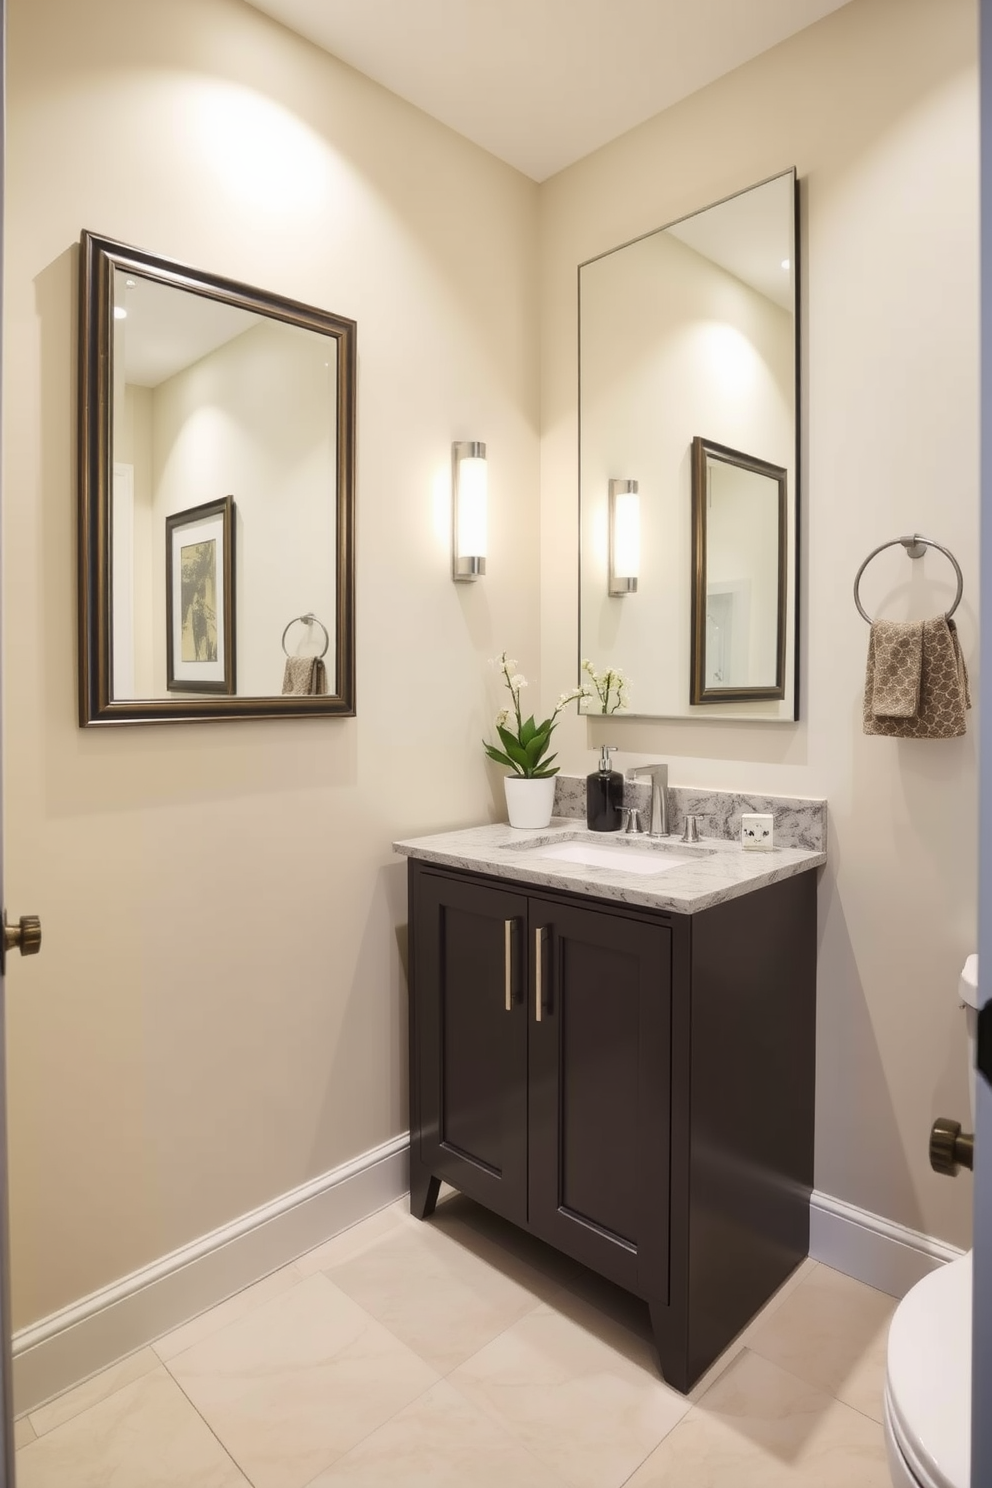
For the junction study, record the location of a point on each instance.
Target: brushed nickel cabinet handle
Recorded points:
(538, 976)
(508, 963)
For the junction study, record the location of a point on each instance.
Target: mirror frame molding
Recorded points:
(699, 692)
(99, 258)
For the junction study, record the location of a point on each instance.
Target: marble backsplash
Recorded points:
(800, 821)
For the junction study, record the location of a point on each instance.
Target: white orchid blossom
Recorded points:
(524, 743)
(610, 687)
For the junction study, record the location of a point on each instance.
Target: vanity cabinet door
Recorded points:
(470, 1039)
(600, 1077)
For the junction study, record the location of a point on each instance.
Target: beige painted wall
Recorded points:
(877, 107)
(195, 1041)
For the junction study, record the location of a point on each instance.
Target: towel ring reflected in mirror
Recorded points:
(308, 619)
(915, 546)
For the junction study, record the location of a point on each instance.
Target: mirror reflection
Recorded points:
(693, 328)
(215, 529)
(738, 609)
(212, 401)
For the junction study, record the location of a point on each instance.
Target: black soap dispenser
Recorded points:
(604, 795)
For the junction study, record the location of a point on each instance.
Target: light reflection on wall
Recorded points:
(261, 152)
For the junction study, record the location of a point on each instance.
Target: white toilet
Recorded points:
(928, 1370)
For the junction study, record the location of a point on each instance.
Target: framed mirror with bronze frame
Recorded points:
(216, 432)
(739, 575)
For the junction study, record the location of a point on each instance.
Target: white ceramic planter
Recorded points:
(529, 803)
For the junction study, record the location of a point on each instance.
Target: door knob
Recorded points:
(25, 936)
(950, 1147)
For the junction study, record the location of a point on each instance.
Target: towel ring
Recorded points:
(915, 547)
(309, 619)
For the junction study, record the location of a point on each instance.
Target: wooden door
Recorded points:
(469, 1043)
(25, 943)
(600, 1062)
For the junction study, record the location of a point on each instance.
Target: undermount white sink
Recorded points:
(632, 859)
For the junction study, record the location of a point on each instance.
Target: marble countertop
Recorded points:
(717, 869)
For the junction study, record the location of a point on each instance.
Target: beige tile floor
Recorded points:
(462, 1354)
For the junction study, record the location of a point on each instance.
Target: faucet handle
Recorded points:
(653, 772)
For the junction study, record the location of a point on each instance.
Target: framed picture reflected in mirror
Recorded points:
(199, 598)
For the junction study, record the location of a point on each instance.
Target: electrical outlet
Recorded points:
(756, 831)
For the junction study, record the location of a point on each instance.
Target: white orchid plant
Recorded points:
(609, 688)
(524, 743)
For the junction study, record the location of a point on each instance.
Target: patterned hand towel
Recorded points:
(895, 663)
(944, 695)
(305, 676)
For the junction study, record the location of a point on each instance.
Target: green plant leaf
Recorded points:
(499, 756)
(535, 749)
(513, 749)
(527, 731)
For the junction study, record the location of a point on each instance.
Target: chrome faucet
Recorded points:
(658, 775)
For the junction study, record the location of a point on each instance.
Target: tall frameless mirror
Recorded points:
(216, 496)
(688, 339)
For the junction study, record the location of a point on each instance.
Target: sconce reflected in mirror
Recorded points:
(469, 500)
(625, 537)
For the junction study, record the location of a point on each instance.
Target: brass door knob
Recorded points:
(25, 936)
(951, 1149)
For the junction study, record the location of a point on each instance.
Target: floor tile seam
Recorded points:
(858, 1411)
(810, 1384)
(220, 1442)
(371, 1245)
(338, 1456)
(244, 1316)
(674, 1427)
(47, 1431)
(290, 1265)
(512, 1436)
(374, 1322)
(508, 1430)
(446, 1374)
(790, 1288)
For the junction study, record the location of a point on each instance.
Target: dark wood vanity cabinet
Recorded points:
(634, 1087)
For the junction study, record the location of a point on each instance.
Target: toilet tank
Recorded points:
(968, 993)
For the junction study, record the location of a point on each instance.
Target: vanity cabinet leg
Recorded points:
(424, 1189)
(672, 1356)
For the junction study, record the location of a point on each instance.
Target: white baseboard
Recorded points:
(878, 1251)
(70, 1345)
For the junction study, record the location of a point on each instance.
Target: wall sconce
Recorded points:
(625, 536)
(469, 483)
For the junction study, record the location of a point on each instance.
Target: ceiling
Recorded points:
(751, 236)
(541, 83)
(165, 328)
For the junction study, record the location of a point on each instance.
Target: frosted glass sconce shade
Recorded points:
(625, 536)
(469, 483)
